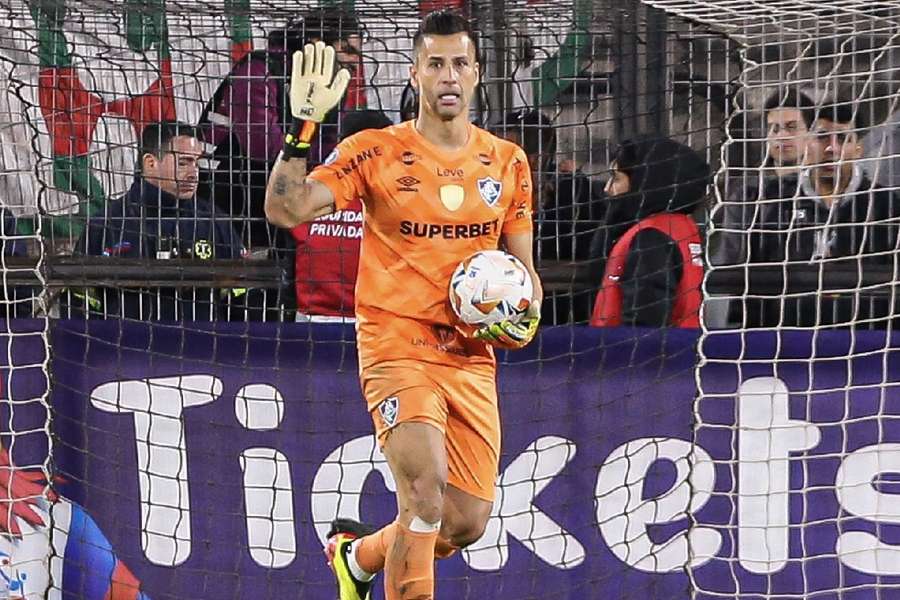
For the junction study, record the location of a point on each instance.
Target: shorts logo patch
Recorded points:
(490, 190)
(389, 409)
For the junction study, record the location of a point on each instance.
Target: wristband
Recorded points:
(298, 139)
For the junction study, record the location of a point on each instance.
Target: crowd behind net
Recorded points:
(792, 104)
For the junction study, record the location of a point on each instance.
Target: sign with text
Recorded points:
(210, 460)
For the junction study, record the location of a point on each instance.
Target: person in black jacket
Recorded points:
(567, 203)
(838, 214)
(650, 176)
(568, 208)
(160, 218)
(789, 119)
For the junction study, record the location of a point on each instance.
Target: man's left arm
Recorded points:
(521, 246)
(517, 235)
(517, 238)
(517, 334)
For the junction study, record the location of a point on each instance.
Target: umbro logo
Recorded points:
(407, 183)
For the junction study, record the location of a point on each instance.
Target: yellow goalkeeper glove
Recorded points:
(313, 91)
(313, 94)
(507, 334)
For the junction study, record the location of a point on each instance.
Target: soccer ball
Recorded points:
(490, 286)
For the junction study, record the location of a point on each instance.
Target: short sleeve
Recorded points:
(346, 170)
(518, 216)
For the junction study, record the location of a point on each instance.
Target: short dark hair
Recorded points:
(156, 138)
(793, 99)
(359, 120)
(329, 26)
(444, 22)
(663, 169)
(535, 130)
(838, 112)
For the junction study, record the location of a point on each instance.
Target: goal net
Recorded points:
(185, 420)
(799, 417)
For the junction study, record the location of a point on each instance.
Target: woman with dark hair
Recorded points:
(650, 247)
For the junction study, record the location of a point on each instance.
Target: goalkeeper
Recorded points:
(436, 190)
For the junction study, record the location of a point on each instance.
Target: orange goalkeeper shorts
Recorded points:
(462, 403)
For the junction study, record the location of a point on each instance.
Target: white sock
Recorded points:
(355, 569)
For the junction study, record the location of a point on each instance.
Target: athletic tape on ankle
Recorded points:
(357, 571)
(420, 526)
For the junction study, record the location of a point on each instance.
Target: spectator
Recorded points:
(882, 149)
(834, 192)
(789, 117)
(248, 114)
(651, 245)
(569, 207)
(246, 121)
(160, 218)
(788, 121)
(839, 213)
(328, 247)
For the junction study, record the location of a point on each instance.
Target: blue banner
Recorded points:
(206, 462)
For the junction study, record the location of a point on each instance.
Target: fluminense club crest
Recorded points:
(389, 408)
(490, 190)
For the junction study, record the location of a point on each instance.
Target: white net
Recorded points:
(803, 248)
(206, 460)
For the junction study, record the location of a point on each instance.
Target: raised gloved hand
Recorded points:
(507, 334)
(313, 91)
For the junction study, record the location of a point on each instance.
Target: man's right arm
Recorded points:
(292, 198)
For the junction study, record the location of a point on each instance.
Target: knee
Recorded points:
(464, 531)
(426, 497)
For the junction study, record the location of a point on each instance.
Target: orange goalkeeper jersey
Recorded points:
(426, 210)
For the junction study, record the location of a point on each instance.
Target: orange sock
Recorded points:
(409, 568)
(372, 549)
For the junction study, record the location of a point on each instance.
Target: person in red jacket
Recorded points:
(650, 248)
(328, 248)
